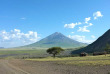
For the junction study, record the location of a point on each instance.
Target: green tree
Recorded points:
(55, 51)
(107, 48)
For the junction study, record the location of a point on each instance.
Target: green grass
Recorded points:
(21, 53)
(28, 53)
(89, 60)
(102, 57)
(3, 52)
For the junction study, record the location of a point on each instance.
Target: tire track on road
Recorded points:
(13, 69)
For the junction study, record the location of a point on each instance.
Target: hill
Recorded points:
(98, 45)
(56, 39)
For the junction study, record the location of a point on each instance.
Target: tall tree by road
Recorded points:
(55, 51)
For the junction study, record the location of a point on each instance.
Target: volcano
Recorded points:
(57, 40)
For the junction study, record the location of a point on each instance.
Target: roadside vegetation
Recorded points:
(107, 48)
(55, 51)
(64, 57)
(88, 60)
(20, 54)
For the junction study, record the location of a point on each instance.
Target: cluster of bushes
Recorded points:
(57, 50)
(99, 53)
(94, 54)
(83, 54)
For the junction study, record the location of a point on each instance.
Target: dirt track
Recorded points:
(33, 67)
(7, 68)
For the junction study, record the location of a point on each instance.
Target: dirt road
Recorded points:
(7, 68)
(16, 66)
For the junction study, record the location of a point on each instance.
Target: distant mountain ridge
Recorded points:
(98, 45)
(57, 39)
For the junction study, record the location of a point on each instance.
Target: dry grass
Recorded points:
(92, 63)
(89, 60)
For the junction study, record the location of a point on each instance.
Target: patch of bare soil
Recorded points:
(36, 67)
(7, 68)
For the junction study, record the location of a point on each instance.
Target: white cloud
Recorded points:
(80, 39)
(23, 18)
(90, 24)
(72, 25)
(78, 23)
(6, 38)
(93, 36)
(87, 19)
(97, 14)
(17, 38)
(72, 32)
(83, 29)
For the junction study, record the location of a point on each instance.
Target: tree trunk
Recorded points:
(105, 53)
(53, 55)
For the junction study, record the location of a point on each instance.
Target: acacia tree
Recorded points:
(55, 51)
(107, 48)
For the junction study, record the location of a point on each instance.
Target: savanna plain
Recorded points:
(39, 62)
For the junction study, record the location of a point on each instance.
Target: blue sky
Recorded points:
(24, 22)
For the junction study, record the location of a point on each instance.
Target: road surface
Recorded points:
(7, 68)
(17, 66)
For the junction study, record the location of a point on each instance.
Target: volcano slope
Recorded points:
(98, 46)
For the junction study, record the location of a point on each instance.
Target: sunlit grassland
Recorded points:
(89, 60)
(22, 53)
(26, 50)
(3, 52)
(28, 53)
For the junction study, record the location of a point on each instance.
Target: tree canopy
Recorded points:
(107, 48)
(55, 50)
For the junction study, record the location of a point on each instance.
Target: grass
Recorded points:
(21, 53)
(27, 53)
(3, 52)
(101, 57)
(89, 60)
(90, 63)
